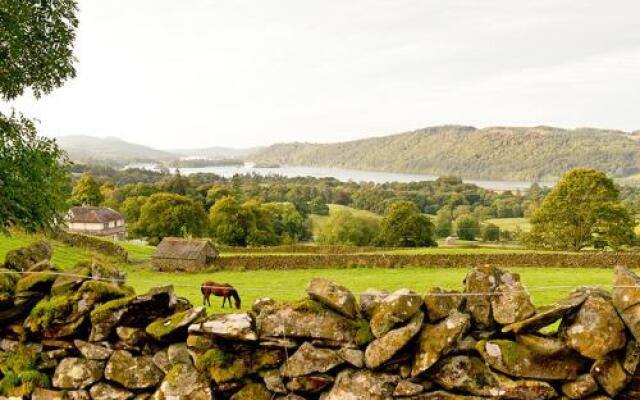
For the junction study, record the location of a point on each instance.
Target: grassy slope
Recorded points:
(510, 224)
(290, 285)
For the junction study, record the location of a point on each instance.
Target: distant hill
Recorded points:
(217, 152)
(84, 148)
(500, 153)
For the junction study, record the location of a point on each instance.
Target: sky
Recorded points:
(243, 73)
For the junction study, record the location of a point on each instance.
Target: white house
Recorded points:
(97, 221)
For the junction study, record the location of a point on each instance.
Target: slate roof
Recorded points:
(94, 215)
(182, 249)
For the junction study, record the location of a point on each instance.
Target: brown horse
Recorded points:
(223, 290)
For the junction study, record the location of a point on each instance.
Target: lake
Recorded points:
(341, 174)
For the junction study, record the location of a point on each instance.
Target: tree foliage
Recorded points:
(36, 45)
(87, 191)
(403, 225)
(246, 224)
(347, 228)
(583, 209)
(170, 214)
(490, 233)
(500, 153)
(467, 227)
(34, 175)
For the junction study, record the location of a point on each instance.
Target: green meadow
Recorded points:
(290, 285)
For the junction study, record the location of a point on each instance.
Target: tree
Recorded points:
(169, 214)
(287, 222)
(318, 206)
(34, 176)
(443, 222)
(490, 233)
(347, 228)
(258, 224)
(36, 45)
(236, 224)
(403, 225)
(132, 207)
(215, 193)
(582, 209)
(86, 191)
(467, 227)
(227, 222)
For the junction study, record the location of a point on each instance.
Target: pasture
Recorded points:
(290, 285)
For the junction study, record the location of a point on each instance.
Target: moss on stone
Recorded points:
(8, 383)
(263, 358)
(103, 311)
(165, 326)
(8, 280)
(66, 283)
(104, 291)
(33, 280)
(363, 332)
(47, 310)
(20, 375)
(223, 366)
(252, 391)
(308, 305)
(213, 357)
(6, 300)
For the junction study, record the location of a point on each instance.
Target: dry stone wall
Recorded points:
(284, 262)
(88, 336)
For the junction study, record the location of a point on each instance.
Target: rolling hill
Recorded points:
(85, 148)
(501, 153)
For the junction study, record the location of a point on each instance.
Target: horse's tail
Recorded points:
(236, 297)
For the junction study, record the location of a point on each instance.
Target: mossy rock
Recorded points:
(35, 282)
(8, 280)
(105, 291)
(363, 332)
(226, 367)
(517, 360)
(48, 311)
(104, 311)
(174, 325)
(66, 283)
(253, 391)
(23, 258)
(20, 375)
(6, 300)
(132, 372)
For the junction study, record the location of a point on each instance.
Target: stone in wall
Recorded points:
(88, 339)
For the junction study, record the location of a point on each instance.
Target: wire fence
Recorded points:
(264, 289)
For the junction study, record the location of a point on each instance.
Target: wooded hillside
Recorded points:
(508, 153)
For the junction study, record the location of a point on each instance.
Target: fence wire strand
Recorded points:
(547, 288)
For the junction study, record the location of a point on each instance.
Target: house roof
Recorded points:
(183, 249)
(94, 214)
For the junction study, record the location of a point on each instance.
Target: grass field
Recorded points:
(290, 285)
(511, 224)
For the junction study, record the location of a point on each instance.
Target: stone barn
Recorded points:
(188, 255)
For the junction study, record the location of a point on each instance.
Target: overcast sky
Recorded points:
(195, 73)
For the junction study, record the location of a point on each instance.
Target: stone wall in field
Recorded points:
(92, 243)
(288, 261)
(86, 335)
